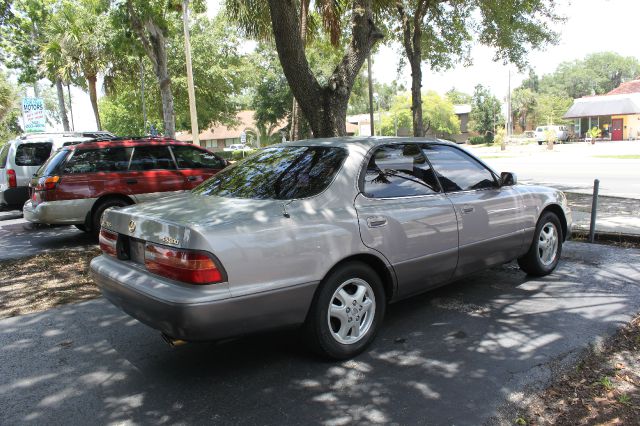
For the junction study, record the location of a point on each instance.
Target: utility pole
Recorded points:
(370, 94)
(509, 120)
(73, 126)
(144, 108)
(192, 93)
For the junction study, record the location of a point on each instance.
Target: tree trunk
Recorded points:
(325, 108)
(93, 96)
(295, 112)
(412, 43)
(416, 96)
(154, 43)
(61, 105)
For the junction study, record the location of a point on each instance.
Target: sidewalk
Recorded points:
(615, 216)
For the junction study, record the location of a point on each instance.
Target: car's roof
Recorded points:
(363, 142)
(125, 142)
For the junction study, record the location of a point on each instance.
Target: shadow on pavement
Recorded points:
(20, 238)
(451, 356)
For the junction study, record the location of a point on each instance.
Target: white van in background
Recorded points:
(562, 133)
(22, 157)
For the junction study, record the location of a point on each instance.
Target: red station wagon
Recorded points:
(78, 183)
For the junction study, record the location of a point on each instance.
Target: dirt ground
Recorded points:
(602, 389)
(40, 282)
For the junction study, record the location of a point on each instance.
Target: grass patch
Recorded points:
(620, 157)
(40, 282)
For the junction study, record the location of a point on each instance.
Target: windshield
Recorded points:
(52, 166)
(278, 173)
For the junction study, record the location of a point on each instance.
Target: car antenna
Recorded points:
(285, 213)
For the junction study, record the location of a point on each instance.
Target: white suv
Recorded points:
(22, 157)
(562, 133)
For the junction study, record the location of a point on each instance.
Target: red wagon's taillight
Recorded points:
(108, 241)
(188, 266)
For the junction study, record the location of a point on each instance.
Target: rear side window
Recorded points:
(99, 160)
(189, 157)
(399, 171)
(33, 154)
(4, 153)
(152, 158)
(53, 164)
(457, 171)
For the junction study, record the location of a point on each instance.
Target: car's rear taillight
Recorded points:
(188, 266)
(108, 241)
(47, 183)
(12, 179)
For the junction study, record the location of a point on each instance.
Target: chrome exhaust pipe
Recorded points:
(172, 341)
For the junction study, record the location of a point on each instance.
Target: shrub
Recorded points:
(476, 140)
(227, 155)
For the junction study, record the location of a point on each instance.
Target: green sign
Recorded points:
(34, 115)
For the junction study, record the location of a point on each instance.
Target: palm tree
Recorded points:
(77, 45)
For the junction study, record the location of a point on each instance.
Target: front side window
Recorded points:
(189, 157)
(457, 171)
(98, 160)
(279, 173)
(155, 157)
(399, 171)
(33, 154)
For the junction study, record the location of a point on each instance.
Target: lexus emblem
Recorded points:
(132, 226)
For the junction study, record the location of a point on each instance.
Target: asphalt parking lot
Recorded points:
(19, 238)
(463, 354)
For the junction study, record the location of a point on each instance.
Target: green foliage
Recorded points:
(438, 115)
(271, 97)
(9, 109)
(485, 113)
(596, 74)
(523, 104)
(594, 133)
(549, 109)
(457, 97)
(219, 72)
(476, 140)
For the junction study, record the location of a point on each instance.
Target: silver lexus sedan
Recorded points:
(322, 234)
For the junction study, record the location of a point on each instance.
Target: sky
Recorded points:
(591, 26)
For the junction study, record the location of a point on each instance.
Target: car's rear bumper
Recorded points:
(65, 212)
(14, 196)
(191, 312)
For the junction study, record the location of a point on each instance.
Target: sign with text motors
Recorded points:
(34, 115)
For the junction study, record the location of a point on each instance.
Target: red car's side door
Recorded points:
(196, 164)
(152, 173)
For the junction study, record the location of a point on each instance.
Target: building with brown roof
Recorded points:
(616, 114)
(219, 137)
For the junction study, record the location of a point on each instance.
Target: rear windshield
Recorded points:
(33, 154)
(53, 165)
(278, 173)
(4, 153)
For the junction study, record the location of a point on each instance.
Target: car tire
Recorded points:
(353, 292)
(96, 218)
(83, 228)
(539, 142)
(544, 254)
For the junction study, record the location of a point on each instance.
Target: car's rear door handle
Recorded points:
(376, 221)
(131, 181)
(466, 209)
(192, 178)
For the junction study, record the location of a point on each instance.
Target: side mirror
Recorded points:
(508, 179)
